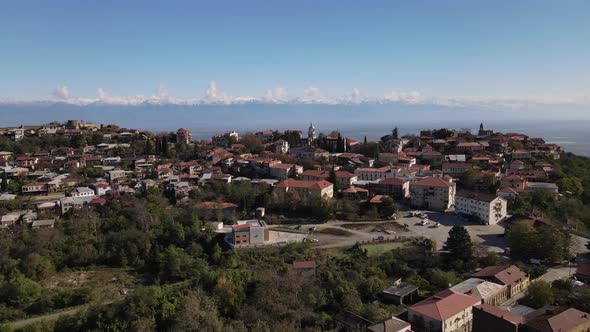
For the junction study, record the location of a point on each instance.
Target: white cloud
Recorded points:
(213, 94)
(276, 95)
(280, 95)
(102, 94)
(61, 92)
(163, 93)
(314, 95)
(412, 97)
(354, 97)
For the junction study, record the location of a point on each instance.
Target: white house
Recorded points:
(82, 192)
(445, 311)
(371, 174)
(489, 209)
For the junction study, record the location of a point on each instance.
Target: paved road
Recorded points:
(489, 235)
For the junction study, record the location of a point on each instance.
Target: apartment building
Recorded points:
(432, 193)
(446, 311)
(372, 174)
(321, 188)
(283, 171)
(488, 209)
(343, 178)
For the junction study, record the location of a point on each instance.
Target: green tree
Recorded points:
(4, 185)
(571, 184)
(539, 294)
(522, 239)
(197, 312)
(148, 147)
(459, 247)
(395, 133)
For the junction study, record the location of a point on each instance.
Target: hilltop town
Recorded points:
(442, 230)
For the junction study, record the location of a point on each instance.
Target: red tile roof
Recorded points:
(316, 185)
(444, 305)
(433, 182)
(392, 181)
(239, 227)
(478, 196)
(507, 275)
(504, 314)
(282, 166)
(583, 269)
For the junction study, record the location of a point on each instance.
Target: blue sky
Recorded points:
(435, 48)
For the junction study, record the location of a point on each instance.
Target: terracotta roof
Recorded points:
(444, 305)
(282, 166)
(478, 196)
(504, 314)
(550, 319)
(468, 144)
(353, 190)
(99, 201)
(239, 227)
(393, 181)
(376, 199)
(507, 275)
(583, 269)
(317, 185)
(390, 324)
(433, 182)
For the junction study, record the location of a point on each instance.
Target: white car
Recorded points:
(423, 216)
(424, 222)
(437, 224)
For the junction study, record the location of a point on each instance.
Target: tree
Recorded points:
(148, 147)
(469, 178)
(459, 247)
(522, 239)
(571, 184)
(442, 133)
(252, 143)
(197, 312)
(539, 294)
(4, 185)
(395, 133)
(333, 179)
(164, 143)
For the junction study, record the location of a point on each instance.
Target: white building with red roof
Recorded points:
(445, 311)
(321, 188)
(283, 171)
(433, 193)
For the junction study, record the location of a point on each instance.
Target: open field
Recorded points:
(381, 248)
(107, 283)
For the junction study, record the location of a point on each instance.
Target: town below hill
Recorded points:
(110, 228)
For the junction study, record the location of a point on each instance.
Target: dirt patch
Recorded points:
(105, 281)
(334, 231)
(376, 227)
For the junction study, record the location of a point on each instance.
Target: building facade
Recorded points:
(488, 209)
(432, 193)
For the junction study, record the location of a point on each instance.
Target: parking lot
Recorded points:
(489, 235)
